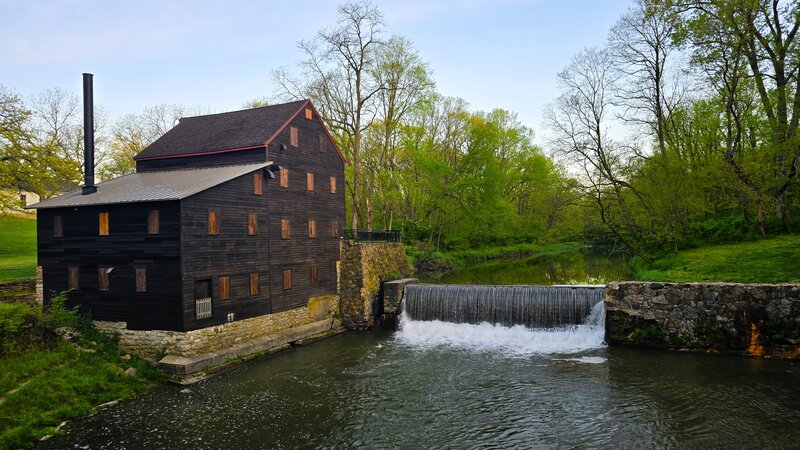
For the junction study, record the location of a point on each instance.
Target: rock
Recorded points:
(130, 372)
(125, 358)
(68, 334)
(186, 391)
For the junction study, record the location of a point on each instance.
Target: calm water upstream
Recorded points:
(442, 385)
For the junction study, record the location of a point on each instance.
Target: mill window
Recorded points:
(287, 279)
(294, 140)
(58, 226)
(308, 114)
(103, 224)
(258, 179)
(141, 279)
(252, 224)
(312, 228)
(286, 232)
(74, 277)
(102, 278)
(333, 185)
(313, 275)
(213, 223)
(310, 181)
(284, 177)
(153, 226)
(224, 287)
(254, 284)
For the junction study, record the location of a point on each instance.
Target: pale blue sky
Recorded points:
(217, 54)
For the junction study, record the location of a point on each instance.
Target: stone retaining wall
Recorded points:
(750, 319)
(156, 344)
(364, 266)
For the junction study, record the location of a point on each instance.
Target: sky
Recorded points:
(217, 55)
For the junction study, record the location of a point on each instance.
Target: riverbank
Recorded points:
(46, 379)
(772, 260)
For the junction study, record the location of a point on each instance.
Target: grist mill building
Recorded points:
(228, 216)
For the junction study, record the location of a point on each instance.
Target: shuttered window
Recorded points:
(153, 225)
(58, 226)
(310, 181)
(294, 140)
(286, 232)
(284, 177)
(74, 276)
(102, 278)
(334, 228)
(224, 287)
(141, 279)
(103, 224)
(254, 284)
(313, 275)
(252, 224)
(308, 114)
(323, 142)
(333, 185)
(287, 279)
(312, 228)
(258, 179)
(213, 223)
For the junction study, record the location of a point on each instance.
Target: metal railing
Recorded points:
(379, 235)
(202, 308)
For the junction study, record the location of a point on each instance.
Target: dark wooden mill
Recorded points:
(228, 216)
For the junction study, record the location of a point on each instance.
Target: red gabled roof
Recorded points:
(228, 132)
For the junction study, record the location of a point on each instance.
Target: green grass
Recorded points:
(17, 248)
(775, 260)
(461, 258)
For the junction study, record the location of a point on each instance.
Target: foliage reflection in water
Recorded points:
(382, 391)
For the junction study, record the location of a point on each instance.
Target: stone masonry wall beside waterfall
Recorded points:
(749, 319)
(364, 266)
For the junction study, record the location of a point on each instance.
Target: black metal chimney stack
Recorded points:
(88, 136)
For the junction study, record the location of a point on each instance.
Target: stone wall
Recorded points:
(228, 338)
(750, 319)
(364, 267)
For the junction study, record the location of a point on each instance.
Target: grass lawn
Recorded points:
(17, 248)
(774, 260)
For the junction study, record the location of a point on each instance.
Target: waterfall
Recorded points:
(519, 320)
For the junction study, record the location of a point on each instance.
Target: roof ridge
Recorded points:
(242, 110)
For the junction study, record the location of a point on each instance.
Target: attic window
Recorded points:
(58, 227)
(285, 230)
(308, 114)
(103, 224)
(152, 222)
(294, 141)
(284, 175)
(312, 228)
(252, 224)
(257, 183)
(213, 223)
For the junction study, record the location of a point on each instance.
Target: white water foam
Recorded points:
(517, 340)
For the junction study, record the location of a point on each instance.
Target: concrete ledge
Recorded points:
(183, 366)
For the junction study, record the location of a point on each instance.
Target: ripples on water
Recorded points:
(458, 388)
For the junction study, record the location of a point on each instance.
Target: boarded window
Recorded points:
(58, 226)
(333, 185)
(286, 232)
(334, 228)
(202, 299)
(141, 279)
(254, 284)
(310, 181)
(74, 276)
(284, 178)
(323, 142)
(102, 278)
(258, 179)
(312, 228)
(294, 140)
(287, 279)
(252, 224)
(213, 223)
(224, 287)
(313, 275)
(103, 224)
(153, 225)
(308, 114)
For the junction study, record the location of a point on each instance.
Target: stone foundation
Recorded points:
(364, 266)
(186, 352)
(755, 320)
(393, 293)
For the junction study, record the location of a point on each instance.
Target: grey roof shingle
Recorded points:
(224, 131)
(152, 186)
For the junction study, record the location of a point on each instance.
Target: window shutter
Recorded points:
(153, 226)
(310, 181)
(284, 177)
(333, 185)
(313, 275)
(224, 287)
(294, 140)
(285, 230)
(334, 228)
(254, 284)
(287, 279)
(323, 142)
(308, 114)
(252, 224)
(58, 226)
(213, 223)
(312, 228)
(141, 279)
(103, 224)
(258, 183)
(74, 277)
(102, 275)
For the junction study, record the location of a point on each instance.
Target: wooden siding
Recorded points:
(249, 156)
(128, 246)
